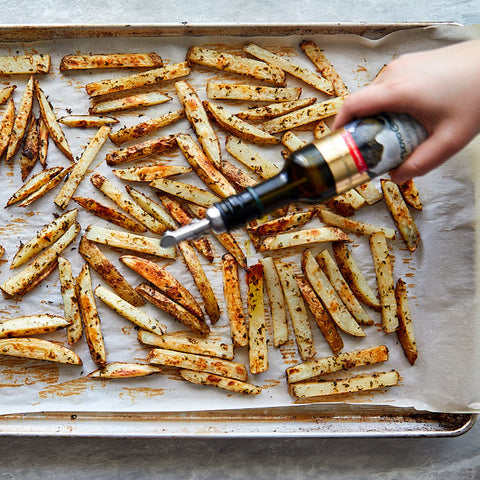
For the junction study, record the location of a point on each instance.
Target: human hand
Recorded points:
(440, 88)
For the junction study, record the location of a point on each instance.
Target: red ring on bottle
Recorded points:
(354, 151)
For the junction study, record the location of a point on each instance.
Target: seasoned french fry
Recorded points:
(70, 302)
(185, 191)
(235, 125)
(38, 278)
(31, 325)
(29, 155)
(129, 311)
(236, 175)
(230, 384)
(128, 241)
(6, 126)
(38, 349)
(233, 301)
(133, 101)
(321, 129)
(347, 203)
(405, 333)
(91, 320)
(386, 289)
(124, 370)
(150, 172)
(410, 194)
(292, 142)
(281, 224)
(360, 383)
(303, 74)
(87, 121)
(110, 60)
(81, 166)
(43, 136)
(369, 192)
(230, 91)
(275, 109)
(6, 93)
(143, 79)
(343, 361)
(25, 64)
(236, 64)
(333, 303)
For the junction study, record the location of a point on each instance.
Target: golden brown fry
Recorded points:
(292, 142)
(42, 142)
(185, 191)
(6, 92)
(236, 176)
(230, 91)
(321, 129)
(31, 325)
(281, 224)
(6, 126)
(369, 192)
(134, 101)
(347, 203)
(29, 155)
(124, 370)
(405, 333)
(87, 121)
(275, 109)
(25, 64)
(110, 60)
(410, 194)
(150, 172)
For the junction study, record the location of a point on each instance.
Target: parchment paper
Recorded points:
(440, 274)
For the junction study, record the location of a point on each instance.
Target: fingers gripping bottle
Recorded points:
(332, 165)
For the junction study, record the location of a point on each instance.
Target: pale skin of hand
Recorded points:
(440, 88)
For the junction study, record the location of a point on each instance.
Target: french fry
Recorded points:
(31, 325)
(327, 70)
(410, 194)
(129, 311)
(347, 203)
(192, 361)
(275, 109)
(354, 226)
(251, 158)
(198, 118)
(51, 122)
(29, 155)
(38, 278)
(230, 384)
(236, 64)
(321, 129)
(281, 224)
(25, 64)
(185, 341)
(81, 166)
(330, 299)
(44, 238)
(2, 251)
(133, 101)
(405, 333)
(257, 334)
(235, 125)
(233, 301)
(297, 310)
(91, 321)
(43, 136)
(70, 302)
(292, 142)
(400, 214)
(162, 279)
(303, 74)
(386, 289)
(343, 361)
(38, 349)
(143, 79)
(369, 192)
(128, 241)
(21, 120)
(321, 316)
(360, 383)
(328, 265)
(185, 191)
(236, 176)
(150, 172)
(140, 150)
(301, 237)
(126, 134)
(253, 93)
(124, 370)
(6, 93)
(110, 60)
(354, 276)
(6, 126)
(303, 116)
(19, 282)
(278, 313)
(174, 309)
(87, 121)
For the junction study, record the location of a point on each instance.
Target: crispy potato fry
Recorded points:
(230, 91)
(233, 301)
(124, 370)
(369, 192)
(38, 349)
(143, 79)
(235, 125)
(281, 224)
(38, 278)
(31, 325)
(343, 361)
(43, 136)
(303, 74)
(6, 93)
(140, 150)
(236, 64)
(81, 166)
(347, 203)
(150, 172)
(70, 302)
(110, 60)
(292, 142)
(360, 383)
(29, 155)
(126, 134)
(274, 110)
(236, 176)
(174, 309)
(44, 238)
(87, 121)
(410, 194)
(128, 241)
(185, 191)
(405, 333)
(129, 311)
(91, 320)
(400, 214)
(192, 361)
(330, 299)
(354, 276)
(386, 289)
(25, 64)
(321, 129)
(6, 126)
(185, 341)
(133, 101)
(230, 384)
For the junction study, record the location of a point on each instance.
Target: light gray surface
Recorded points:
(31, 458)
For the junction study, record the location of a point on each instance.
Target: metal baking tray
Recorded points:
(323, 420)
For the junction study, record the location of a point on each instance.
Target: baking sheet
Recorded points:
(439, 274)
